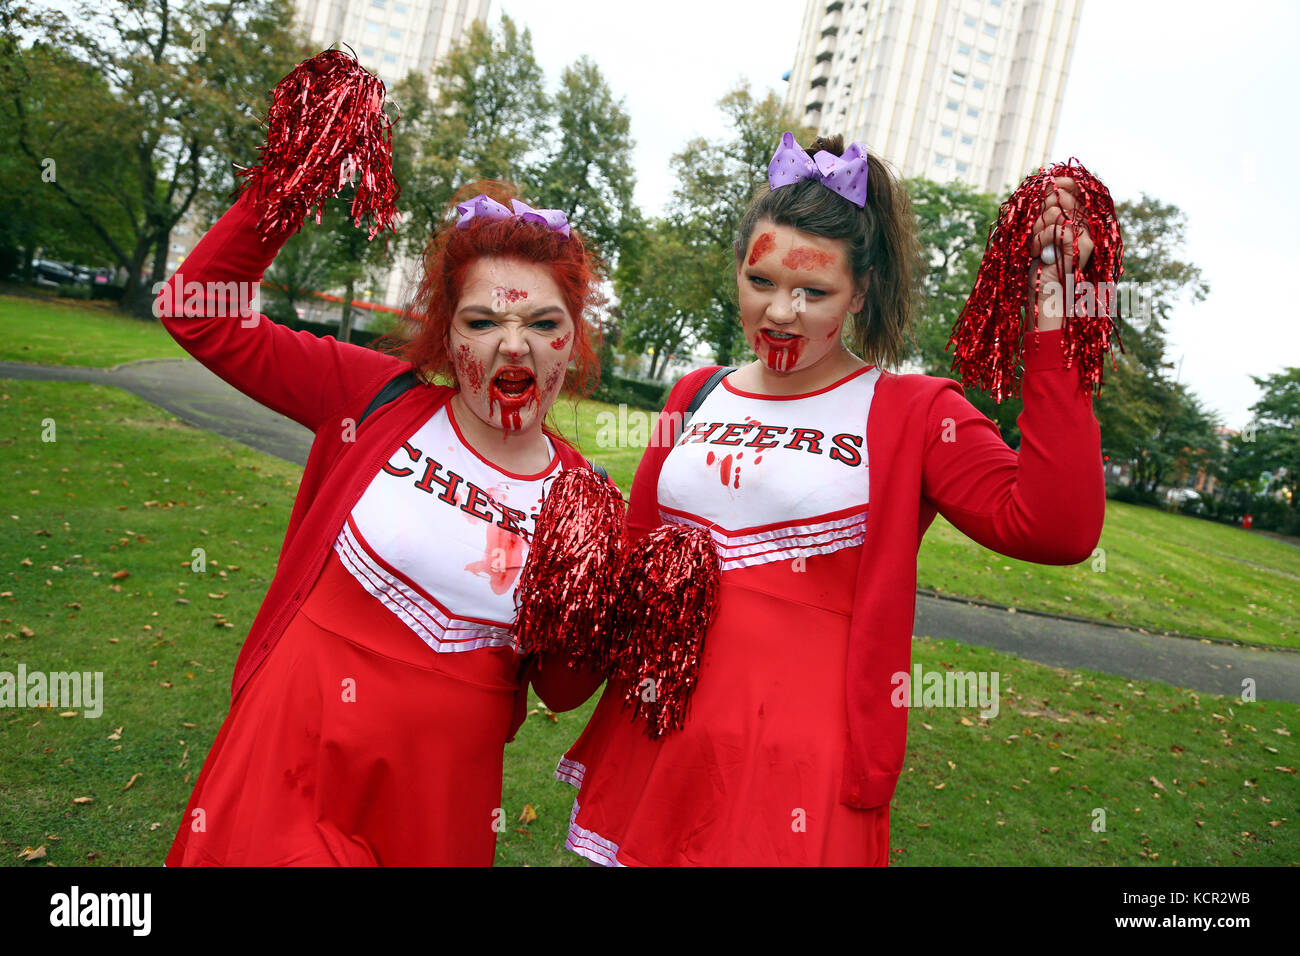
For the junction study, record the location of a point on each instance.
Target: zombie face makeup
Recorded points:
(796, 291)
(510, 342)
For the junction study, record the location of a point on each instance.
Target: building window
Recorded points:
(978, 84)
(985, 57)
(946, 131)
(381, 4)
(990, 30)
(968, 21)
(968, 140)
(367, 51)
(952, 104)
(394, 33)
(940, 160)
(399, 8)
(962, 167)
(372, 27)
(390, 57)
(972, 111)
(995, 3)
(959, 77)
(963, 49)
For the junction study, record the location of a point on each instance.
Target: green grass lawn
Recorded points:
(1154, 569)
(127, 488)
(66, 332)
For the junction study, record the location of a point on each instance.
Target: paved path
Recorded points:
(195, 395)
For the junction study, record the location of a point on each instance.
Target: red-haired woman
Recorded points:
(379, 684)
(796, 732)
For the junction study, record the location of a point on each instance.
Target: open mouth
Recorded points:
(514, 382)
(779, 339)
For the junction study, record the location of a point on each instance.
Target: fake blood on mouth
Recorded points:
(511, 406)
(806, 257)
(762, 246)
(782, 354)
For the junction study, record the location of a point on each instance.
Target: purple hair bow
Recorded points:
(846, 175)
(484, 206)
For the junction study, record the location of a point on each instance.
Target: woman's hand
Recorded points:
(1054, 230)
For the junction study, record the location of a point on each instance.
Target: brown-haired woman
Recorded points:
(379, 683)
(817, 473)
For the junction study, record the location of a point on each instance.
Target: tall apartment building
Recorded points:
(391, 37)
(947, 89)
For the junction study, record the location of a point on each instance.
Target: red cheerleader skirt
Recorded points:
(754, 777)
(355, 744)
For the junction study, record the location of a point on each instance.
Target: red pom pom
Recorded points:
(667, 599)
(988, 336)
(326, 125)
(564, 598)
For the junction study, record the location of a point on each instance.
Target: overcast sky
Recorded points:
(1193, 103)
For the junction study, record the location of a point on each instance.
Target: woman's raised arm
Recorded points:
(206, 306)
(1044, 504)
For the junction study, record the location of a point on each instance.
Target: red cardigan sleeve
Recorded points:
(205, 307)
(1045, 504)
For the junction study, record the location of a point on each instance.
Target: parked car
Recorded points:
(1179, 495)
(48, 272)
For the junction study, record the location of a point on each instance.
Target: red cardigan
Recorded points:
(1045, 504)
(324, 385)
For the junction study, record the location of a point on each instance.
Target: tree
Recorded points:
(63, 120)
(1140, 405)
(185, 77)
(1272, 443)
(487, 119)
(715, 183)
(588, 172)
(952, 221)
(659, 291)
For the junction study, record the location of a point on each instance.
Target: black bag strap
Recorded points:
(390, 391)
(698, 398)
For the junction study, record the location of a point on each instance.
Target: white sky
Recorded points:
(1190, 102)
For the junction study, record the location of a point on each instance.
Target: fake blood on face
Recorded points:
(806, 257)
(764, 244)
(469, 369)
(562, 341)
(509, 295)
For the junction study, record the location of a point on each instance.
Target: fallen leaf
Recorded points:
(1158, 783)
(83, 799)
(116, 734)
(118, 575)
(27, 853)
(529, 814)
(134, 778)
